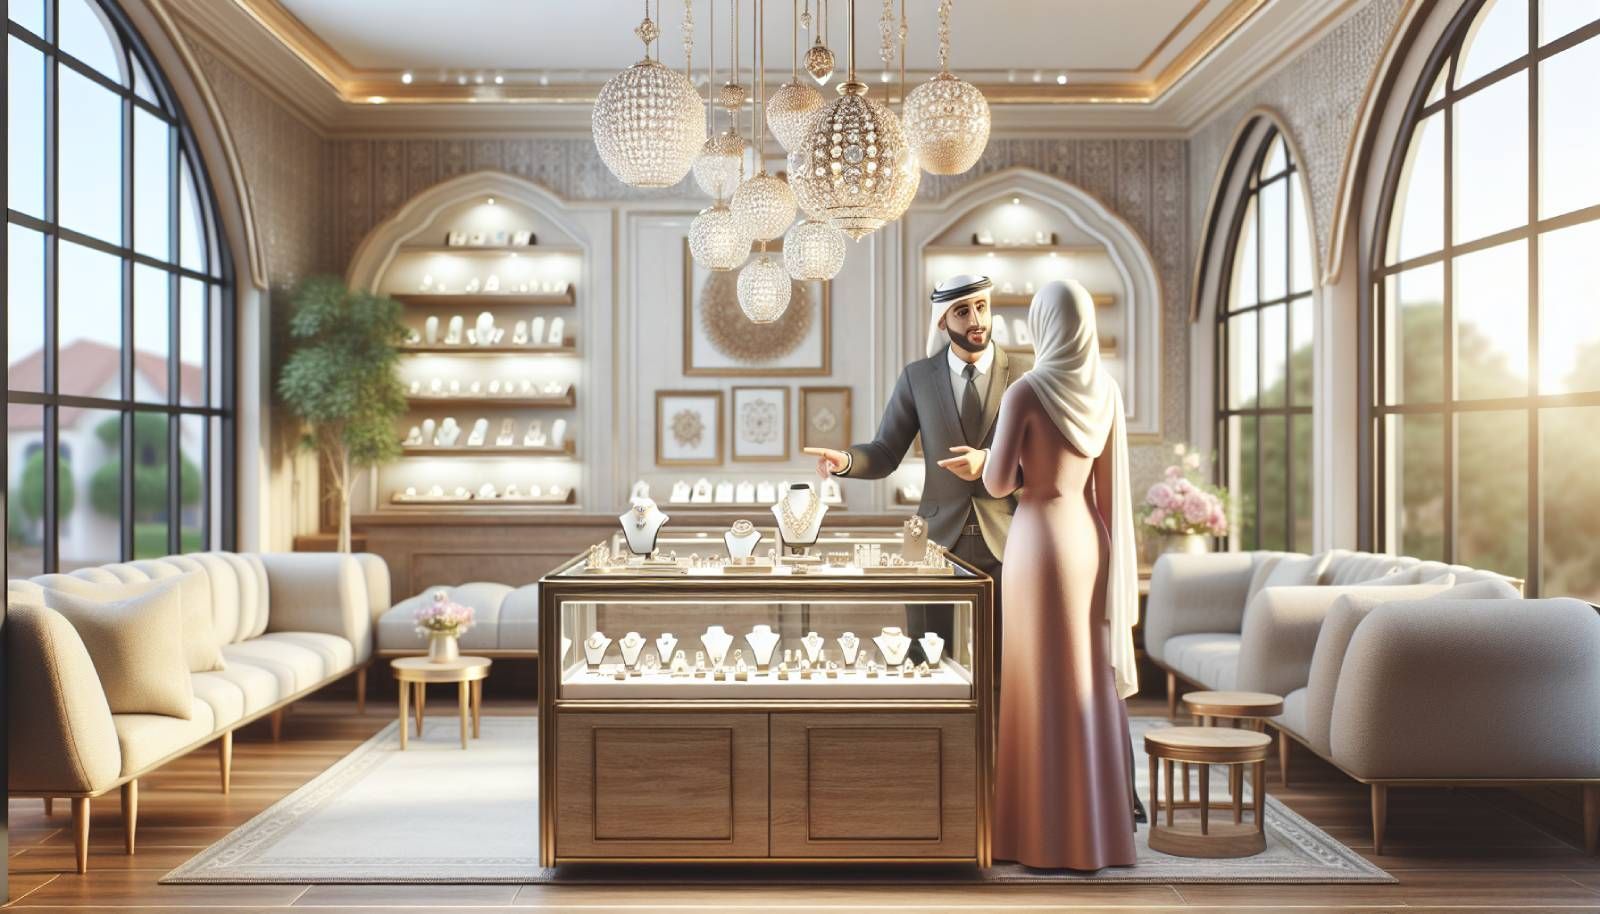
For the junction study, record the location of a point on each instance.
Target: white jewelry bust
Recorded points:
(849, 646)
(745, 493)
(932, 647)
(763, 641)
(594, 648)
(630, 645)
(716, 642)
(766, 493)
(799, 513)
(664, 646)
(741, 539)
(680, 492)
(641, 489)
(724, 493)
(640, 524)
(813, 643)
(536, 331)
(701, 494)
(893, 644)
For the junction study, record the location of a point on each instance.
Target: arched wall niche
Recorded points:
(936, 233)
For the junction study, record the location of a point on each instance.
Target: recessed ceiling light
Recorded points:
(406, 77)
(1011, 76)
(499, 80)
(461, 80)
(1016, 201)
(1037, 76)
(478, 79)
(544, 79)
(884, 76)
(376, 99)
(491, 201)
(1061, 79)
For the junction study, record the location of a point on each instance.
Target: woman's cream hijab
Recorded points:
(1085, 403)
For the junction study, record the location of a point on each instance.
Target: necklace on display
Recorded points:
(641, 513)
(795, 527)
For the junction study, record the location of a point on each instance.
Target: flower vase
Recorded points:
(1185, 543)
(443, 648)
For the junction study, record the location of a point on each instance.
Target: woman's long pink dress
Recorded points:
(1063, 799)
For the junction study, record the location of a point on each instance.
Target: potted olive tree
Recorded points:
(339, 379)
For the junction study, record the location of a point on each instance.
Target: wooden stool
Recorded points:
(1250, 709)
(1207, 746)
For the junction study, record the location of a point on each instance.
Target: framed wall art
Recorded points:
(759, 419)
(719, 341)
(689, 428)
(825, 417)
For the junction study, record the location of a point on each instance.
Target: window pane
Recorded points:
(192, 340)
(1491, 311)
(25, 491)
(151, 326)
(90, 507)
(1242, 478)
(1418, 223)
(1302, 367)
(1242, 361)
(1277, 158)
(1492, 491)
(1414, 327)
(27, 13)
(151, 187)
(1491, 159)
(1274, 483)
(1416, 485)
(1244, 261)
(24, 309)
(1571, 492)
(142, 85)
(1301, 482)
(150, 515)
(1301, 277)
(1274, 354)
(1439, 82)
(1498, 36)
(25, 134)
(191, 225)
(193, 470)
(1274, 240)
(1558, 17)
(86, 34)
(1569, 130)
(89, 148)
(1569, 310)
(90, 320)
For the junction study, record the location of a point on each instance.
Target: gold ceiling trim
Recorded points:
(358, 86)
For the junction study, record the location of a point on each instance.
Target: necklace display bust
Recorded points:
(742, 539)
(630, 645)
(716, 642)
(763, 641)
(594, 648)
(932, 647)
(893, 644)
(640, 524)
(849, 646)
(813, 643)
(664, 646)
(799, 513)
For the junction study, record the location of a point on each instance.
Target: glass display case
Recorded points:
(714, 701)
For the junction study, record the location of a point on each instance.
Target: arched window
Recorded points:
(119, 342)
(1486, 291)
(1265, 334)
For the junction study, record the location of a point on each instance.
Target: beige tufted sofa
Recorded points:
(287, 625)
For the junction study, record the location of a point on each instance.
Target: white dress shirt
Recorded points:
(958, 380)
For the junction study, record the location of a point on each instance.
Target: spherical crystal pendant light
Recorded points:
(764, 289)
(720, 165)
(648, 121)
(715, 241)
(789, 113)
(813, 250)
(947, 118)
(859, 173)
(764, 206)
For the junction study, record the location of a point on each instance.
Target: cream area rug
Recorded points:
(436, 814)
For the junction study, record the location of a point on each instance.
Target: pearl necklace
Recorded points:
(793, 526)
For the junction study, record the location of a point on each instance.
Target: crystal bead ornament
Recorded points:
(764, 289)
(946, 118)
(859, 173)
(813, 250)
(789, 113)
(720, 166)
(764, 205)
(819, 63)
(715, 240)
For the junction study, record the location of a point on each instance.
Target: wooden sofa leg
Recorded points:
(1591, 817)
(1380, 815)
(1172, 695)
(1284, 748)
(225, 759)
(80, 832)
(361, 690)
(130, 814)
(49, 806)
(276, 722)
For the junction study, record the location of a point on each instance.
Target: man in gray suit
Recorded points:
(952, 399)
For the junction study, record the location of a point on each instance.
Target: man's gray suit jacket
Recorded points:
(924, 402)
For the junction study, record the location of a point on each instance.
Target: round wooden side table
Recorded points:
(417, 672)
(1207, 746)
(1247, 709)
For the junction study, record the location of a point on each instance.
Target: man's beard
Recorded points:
(960, 339)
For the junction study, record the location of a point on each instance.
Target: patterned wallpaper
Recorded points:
(1318, 94)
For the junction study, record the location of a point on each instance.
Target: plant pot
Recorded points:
(1185, 543)
(443, 647)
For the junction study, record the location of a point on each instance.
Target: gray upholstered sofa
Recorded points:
(505, 621)
(284, 626)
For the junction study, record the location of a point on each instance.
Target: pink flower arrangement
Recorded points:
(442, 615)
(1184, 506)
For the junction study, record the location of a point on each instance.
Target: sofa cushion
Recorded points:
(56, 702)
(225, 699)
(295, 667)
(1209, 658)
(1492, 588)
(519, 619)
(1347, 567)
(258, 687)
(148, 738)
(338, 655)
(136, 644)
(1265, 563)
(200, 644)
(1415, 574)
(1293, 717)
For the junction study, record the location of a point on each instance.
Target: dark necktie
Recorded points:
(971, 407)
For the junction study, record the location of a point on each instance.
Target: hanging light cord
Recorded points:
(688, 40)
(794, 43)
(711, 65)
(850, 9)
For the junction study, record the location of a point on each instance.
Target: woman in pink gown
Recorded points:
(1063, 792)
